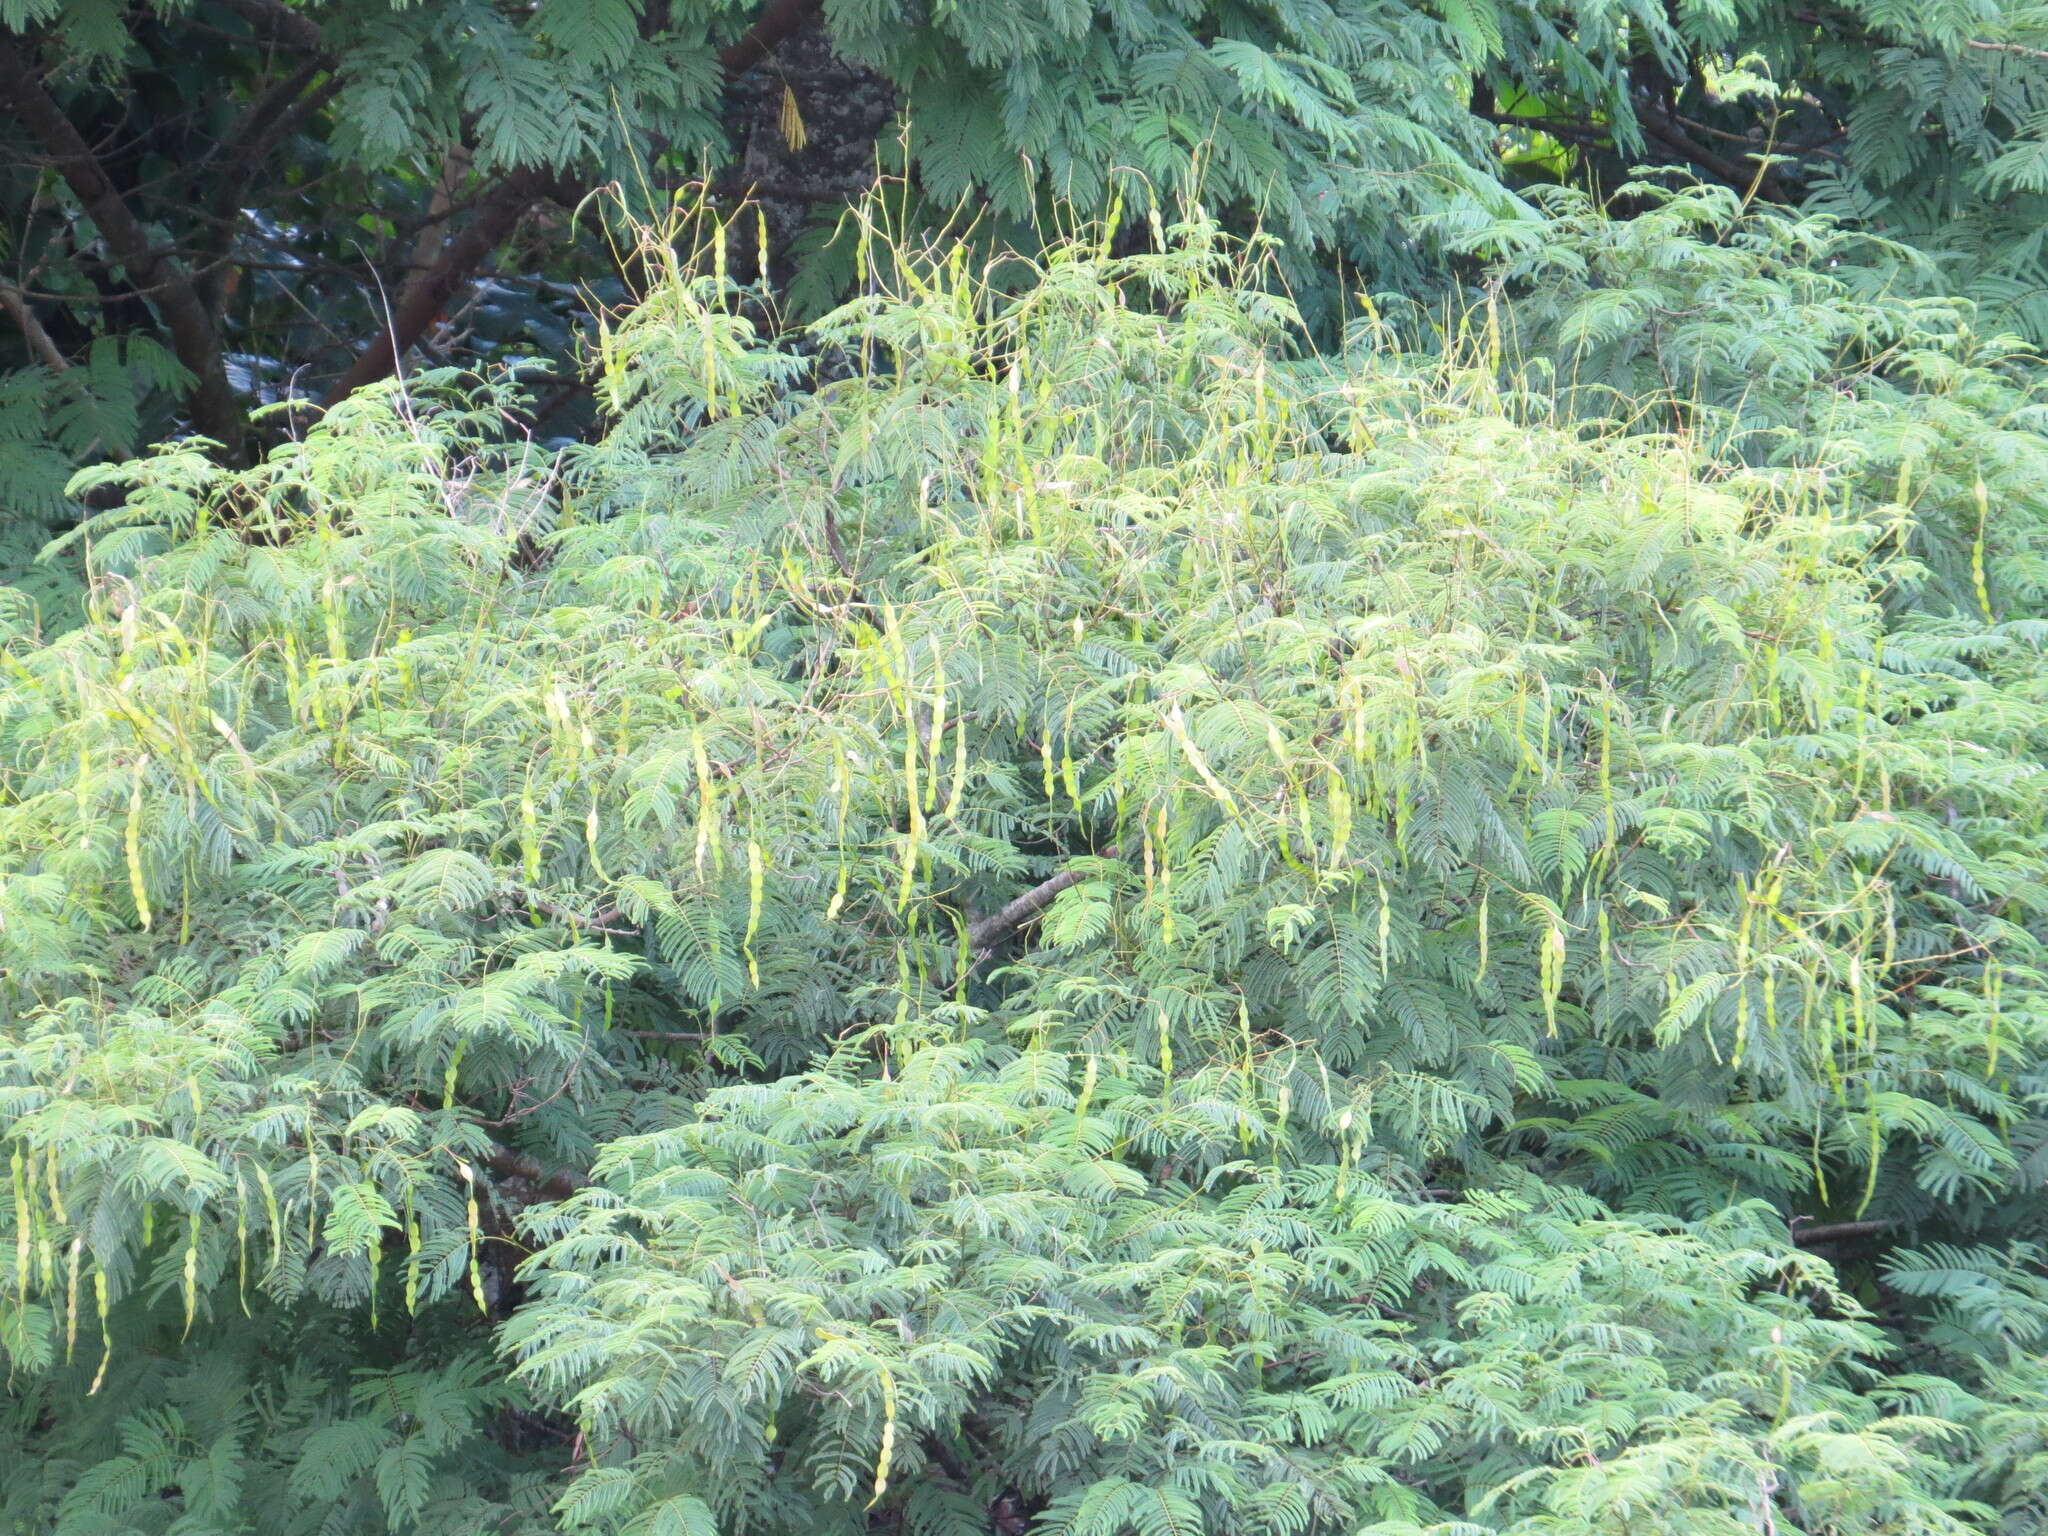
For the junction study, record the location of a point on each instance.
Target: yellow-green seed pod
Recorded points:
(476, 1279)
(71, 1300)
(132, 841)
(99, 1296)
(1485, 933)
(529, 836)
(191, 1275)
(22, 1222)
(756, 883)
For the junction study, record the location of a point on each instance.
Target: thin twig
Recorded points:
(2019, 48)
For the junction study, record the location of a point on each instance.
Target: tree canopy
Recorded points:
(210, 205)
(1170, 769)
(1043, 907)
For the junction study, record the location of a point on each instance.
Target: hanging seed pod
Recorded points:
(1176, 725)
(886, 1454)
(22, 1222)
(959, 785)
(1875, 1152)
(71, 1300)
(412, 1257)
(241, 1243)
(529, 835)
(99, 1296)
(590, 833)
(132, 841)
(191, 1271)
(1088, 1079)
(275, 1218)
(448, 1077)
(937, 747)
(1552, 975)
(56, 1189)
(1339, 796)
(476, 1273)
(756, 883)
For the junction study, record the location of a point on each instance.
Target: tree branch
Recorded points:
(602, 922)
(39, 340)
(1662, 126)
(559, 1185)
(430, 287)
(778, 19)
(984, 933)
(2019, 48)
(1834, 1232)
(267, 122)
(195, 338)
(278, 24)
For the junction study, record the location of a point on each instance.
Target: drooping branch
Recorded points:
(195, 339)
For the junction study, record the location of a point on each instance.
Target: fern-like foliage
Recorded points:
(1053, 903)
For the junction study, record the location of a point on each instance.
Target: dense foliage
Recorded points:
(1040, 907)
(209, 205)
